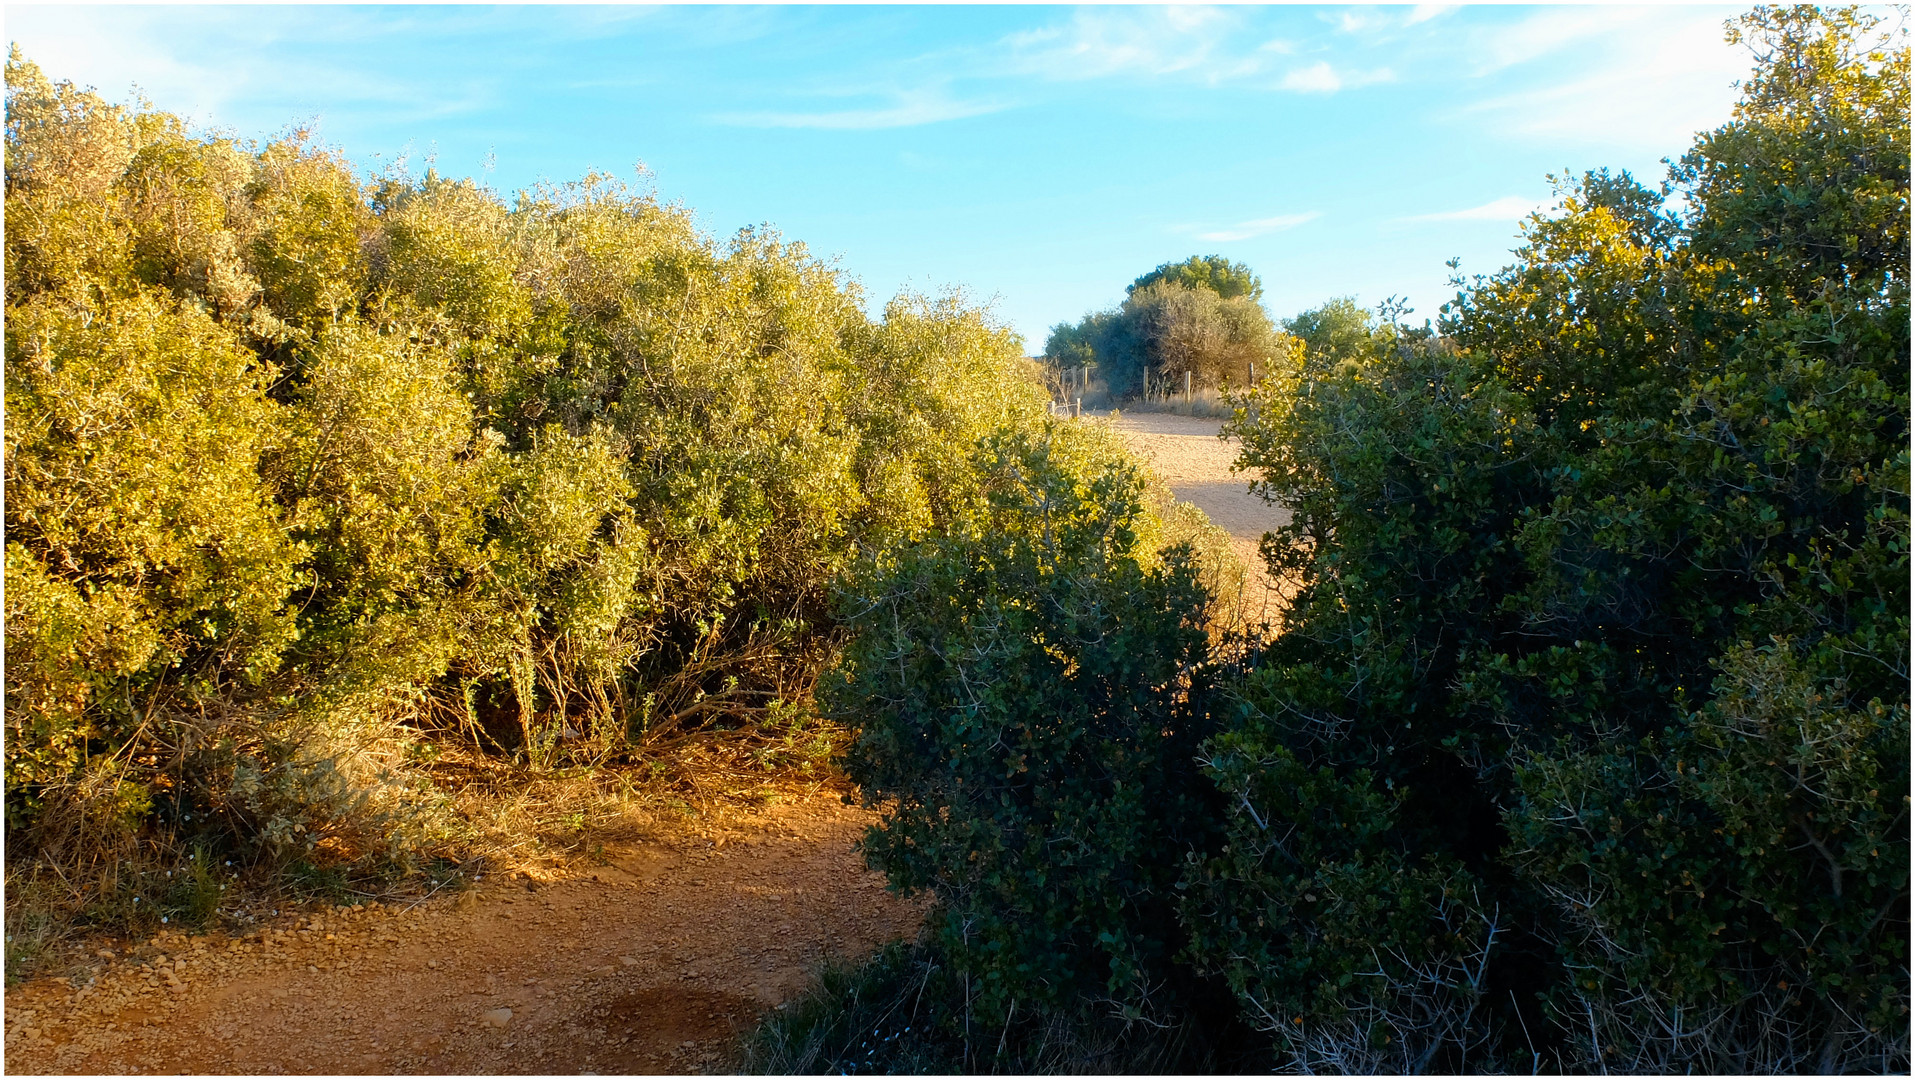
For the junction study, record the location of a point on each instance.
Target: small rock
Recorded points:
(432, 964)
(628, 961)
(498, 1018)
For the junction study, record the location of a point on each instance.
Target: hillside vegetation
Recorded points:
(1585, 746)
(313, 479)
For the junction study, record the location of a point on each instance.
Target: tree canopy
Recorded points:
(1227, 279)
(1200, 316)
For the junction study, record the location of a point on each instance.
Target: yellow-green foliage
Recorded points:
(146, 563)
(293, 458)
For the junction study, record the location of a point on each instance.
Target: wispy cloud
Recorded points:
(1507, 208)
(911, 110)
(1549, 31)
(1654, 83)
(1423, 13)
(1246, 230)
(1387, 20)
(1359, 21)
(1321, 78)
(237, 68)
(1191, 42)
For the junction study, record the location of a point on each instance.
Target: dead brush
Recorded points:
(353, 803)
(1203, 401)
(517, 819)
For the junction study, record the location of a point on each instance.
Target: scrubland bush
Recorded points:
(1585, 745)
(1029, 690)
(1604, 633)
(304, 471)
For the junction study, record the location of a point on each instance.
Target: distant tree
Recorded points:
(1075, 345)
(1332, 331)
(1227, 279)
(1168, 326)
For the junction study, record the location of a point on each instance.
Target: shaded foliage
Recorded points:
(1585, 744)
(1604, 635)
(1029, 692)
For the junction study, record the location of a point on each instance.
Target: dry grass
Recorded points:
(519, 821)
(495, 817)
(1205, 403)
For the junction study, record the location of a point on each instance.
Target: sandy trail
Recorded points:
(650, 962)
(1195, 463)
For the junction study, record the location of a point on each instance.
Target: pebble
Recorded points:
(498, 1018)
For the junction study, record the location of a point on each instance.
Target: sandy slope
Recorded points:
(1190, 457)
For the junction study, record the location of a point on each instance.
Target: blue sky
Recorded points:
(1037, 157)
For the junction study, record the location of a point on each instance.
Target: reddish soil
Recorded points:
(651, 961)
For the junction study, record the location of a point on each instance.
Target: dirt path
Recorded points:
(650, 962)
(1195, 463)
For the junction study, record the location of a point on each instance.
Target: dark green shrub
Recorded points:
(1029, 690)
(903, 1011)
(1604, 630)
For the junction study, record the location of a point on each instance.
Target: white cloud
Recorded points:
(1246, 230)
(1388, 19)
(1356, 22)
(234, 69)
(911, 111)
(1654, 84)
(1321, 78)
(1507, 208)
(1423, 13)
(1549, 31)
(1154, 42)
